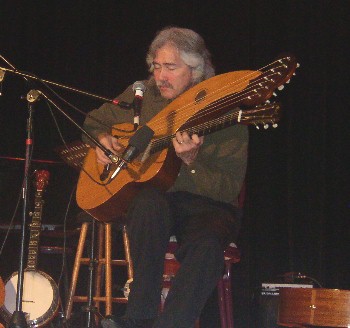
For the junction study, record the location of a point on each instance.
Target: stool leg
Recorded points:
(76, 268)
(127, 253)
(90, 308)
(108, 268)
(98, 278)
(222, 305)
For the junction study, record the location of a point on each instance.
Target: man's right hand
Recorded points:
(110, 143)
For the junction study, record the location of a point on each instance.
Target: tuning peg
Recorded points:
(266, 126)
(257, 127)
(281, 87)
(288, 81)
(267, 101)
(275, 125)
(298, 65)
(274, 94)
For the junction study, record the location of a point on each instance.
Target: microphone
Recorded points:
(137, 144)
(122, 104)
(139, 88)
(136, 141)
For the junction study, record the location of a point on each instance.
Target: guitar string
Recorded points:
(212, 124)
(257, 85)
(227, 101)
(181, 111)
(234, 83)
(228, 98)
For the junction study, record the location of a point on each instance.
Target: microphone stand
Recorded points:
(114, 159)
(89, 309)
(33, 77)
(18, 319)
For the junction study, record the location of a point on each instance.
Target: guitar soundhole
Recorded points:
(200, 96)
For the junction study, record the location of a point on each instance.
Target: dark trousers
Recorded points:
(203, 227)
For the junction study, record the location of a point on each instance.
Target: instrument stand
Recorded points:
(18, 319)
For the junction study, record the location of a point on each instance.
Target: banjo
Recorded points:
(40, 297)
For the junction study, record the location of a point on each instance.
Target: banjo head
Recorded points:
(40, 298)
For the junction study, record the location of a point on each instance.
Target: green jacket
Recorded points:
(220, 166)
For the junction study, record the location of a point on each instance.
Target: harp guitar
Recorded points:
(205, 108)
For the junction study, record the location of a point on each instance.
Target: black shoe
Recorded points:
(111, 321)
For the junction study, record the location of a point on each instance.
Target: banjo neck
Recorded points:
(42, 178)
(40, 292)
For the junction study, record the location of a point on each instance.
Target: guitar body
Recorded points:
(109, 202)
(40, 300)
(204, 103)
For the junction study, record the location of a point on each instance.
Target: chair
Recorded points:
(232, 255)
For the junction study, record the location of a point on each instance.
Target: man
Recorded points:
(199, 209)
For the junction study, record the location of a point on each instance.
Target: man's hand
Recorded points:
(110, 143)
(187, 147)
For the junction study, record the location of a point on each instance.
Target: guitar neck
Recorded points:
(74, 153)
(260, 115)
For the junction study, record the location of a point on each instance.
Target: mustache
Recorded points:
(164, 84)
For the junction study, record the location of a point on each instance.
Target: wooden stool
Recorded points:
(104, 261)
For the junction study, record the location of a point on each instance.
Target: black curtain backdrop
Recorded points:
(297, 203)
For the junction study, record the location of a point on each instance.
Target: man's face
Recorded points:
(172, 75)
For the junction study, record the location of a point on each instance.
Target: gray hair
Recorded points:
(191, 47)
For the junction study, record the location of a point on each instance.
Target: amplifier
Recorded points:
(268, 302)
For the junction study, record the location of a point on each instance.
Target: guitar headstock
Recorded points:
(41, 179)
(273, 76)
(265, 115)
